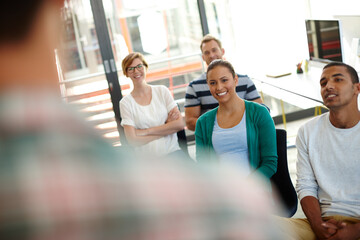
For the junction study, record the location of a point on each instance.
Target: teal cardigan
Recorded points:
(261, 139)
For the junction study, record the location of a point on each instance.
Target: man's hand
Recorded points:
(346, 232)
(325, 230)
(322, 229)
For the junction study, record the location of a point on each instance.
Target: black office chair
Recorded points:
(182, 140)
(280, 181)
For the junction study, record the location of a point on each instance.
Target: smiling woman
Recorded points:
(237, 132)
(222, 83)
(150, 116)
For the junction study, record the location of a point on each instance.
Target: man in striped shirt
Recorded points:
(198, 98)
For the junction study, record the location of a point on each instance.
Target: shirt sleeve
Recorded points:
(251, 91)
(168, 99)
(126, 113)
(268, 150)
(199, 141)
(306, 184)
(191, 98)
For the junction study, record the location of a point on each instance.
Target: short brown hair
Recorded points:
(126, 62)
(208, 38)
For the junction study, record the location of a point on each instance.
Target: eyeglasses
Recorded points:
(138, 67)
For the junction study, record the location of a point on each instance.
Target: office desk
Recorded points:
(306, 86)
(300, 90)
(302, 87)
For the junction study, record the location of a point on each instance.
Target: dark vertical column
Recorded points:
(203, 18)
(108, 61)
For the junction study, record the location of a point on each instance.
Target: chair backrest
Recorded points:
(281, 181)
(122, 136)
(182, 140)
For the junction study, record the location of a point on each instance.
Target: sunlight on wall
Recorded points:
(326, 9)
(269, 34)
(348, 12)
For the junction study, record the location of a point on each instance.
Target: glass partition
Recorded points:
(82, 79)
(167, 33)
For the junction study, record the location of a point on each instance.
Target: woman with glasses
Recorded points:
(150, 116)
(238, 132)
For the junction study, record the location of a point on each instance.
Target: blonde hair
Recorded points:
(126, 62)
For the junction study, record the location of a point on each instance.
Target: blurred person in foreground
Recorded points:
(58, 180)
(198, 98)
(35, 124)
(328, 165)
(87, 199)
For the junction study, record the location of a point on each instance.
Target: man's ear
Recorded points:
(203, 58)
(357, 88)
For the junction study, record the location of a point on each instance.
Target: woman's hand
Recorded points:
(173, 115)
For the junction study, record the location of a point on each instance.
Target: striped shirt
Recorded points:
(198, 93)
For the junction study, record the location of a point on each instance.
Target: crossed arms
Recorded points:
(138, 137)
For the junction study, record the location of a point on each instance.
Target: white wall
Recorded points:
(348, 12)
(326, 9)
(271, 34)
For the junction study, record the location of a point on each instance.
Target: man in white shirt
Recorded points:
(328, 179)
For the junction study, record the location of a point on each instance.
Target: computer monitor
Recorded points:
(324, 40)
